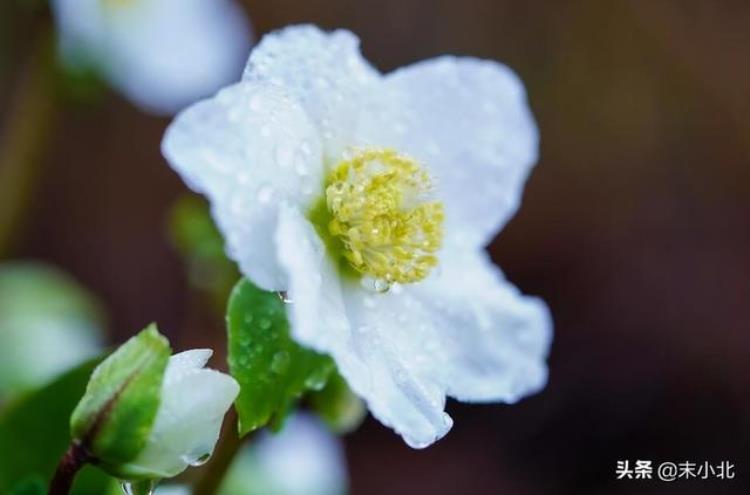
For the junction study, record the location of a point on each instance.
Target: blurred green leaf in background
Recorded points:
(201, 246)
(34, 434)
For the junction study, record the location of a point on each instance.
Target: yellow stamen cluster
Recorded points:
(378, 208)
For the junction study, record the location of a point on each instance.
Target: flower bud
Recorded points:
(146, 415)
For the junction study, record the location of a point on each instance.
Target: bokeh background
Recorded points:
(635, 228)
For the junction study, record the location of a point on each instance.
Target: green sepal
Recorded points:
(338, 406)
(272, 369)
(114, 417)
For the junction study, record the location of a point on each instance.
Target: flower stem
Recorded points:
(72, 462)
(28, 127)
(225, 452)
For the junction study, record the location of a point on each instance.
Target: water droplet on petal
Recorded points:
(375, 284)
(256, 103)
(197, 461)
(284, 296)
(284, 156)
(265, 194)
(381, 285)
(145, 487)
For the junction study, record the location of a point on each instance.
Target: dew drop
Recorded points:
(375, 284)
(284, 296)
(280, 362)
(381, 285)
(234, 115)
(301, 168)
(265, 194)
(264, 324)
(197, 461)
(316, 381)
(145, 487)
(284, 156)
(256, 103)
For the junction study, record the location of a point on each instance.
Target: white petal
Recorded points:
(247, 149)
(317, 314)
(173, 490)
(187, 360)
(303, 459)
(193, 404)
(162, 54)
(469, 122)
(80, 30)
(365, 356)
(493, 340)
(466, 333)
(324, 71)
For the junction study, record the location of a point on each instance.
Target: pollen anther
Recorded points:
(379, 208)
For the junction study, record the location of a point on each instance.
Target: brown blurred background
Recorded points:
(635, 228)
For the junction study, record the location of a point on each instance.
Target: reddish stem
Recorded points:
(72, 462)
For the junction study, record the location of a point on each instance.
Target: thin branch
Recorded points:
(72, 462)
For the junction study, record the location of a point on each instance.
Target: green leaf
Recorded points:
(337, 405)
(34, 436)
(273, 371)
(115, 415)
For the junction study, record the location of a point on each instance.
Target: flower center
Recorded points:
(379, 212)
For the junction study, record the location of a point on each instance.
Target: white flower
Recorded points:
(194, 401)
(335, 183)
(48, 324)
(303, 459)
(162, 54)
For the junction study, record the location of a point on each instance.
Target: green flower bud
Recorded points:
(146, 415)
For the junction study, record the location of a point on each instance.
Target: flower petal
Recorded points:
(187, 360)
(246, 149)
(317, 315)
(469, 122)
(163, 55)
(493, 341)
(342, 323)
(324, 71)
(193, 404)
(302, 459)
(466, 333)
